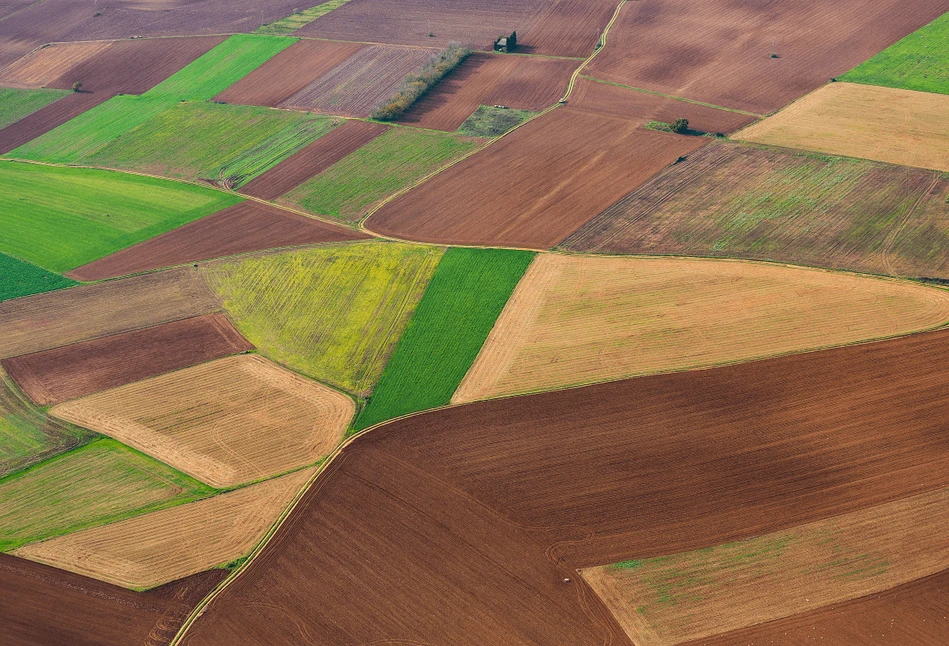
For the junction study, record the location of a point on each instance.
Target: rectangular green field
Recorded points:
(232, 143)
(101, 482)
(918, 62)
(23, 278)
(333, 312)
(387, 164)
(464, 299)
(16, 104)
(28, 434)
(297, 20)
(61, 218)
(489, 122)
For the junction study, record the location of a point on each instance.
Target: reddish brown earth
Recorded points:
(719, 51)
(248, 226)
(427, 565)
(288, 72)
(536, 186)
(314, 159)
(36, 23)
(914, 614)
(47, 606)
(522, 82)
(72, 371)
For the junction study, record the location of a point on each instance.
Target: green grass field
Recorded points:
(488, 121)
(212, 141)
(918, 62)
(23, 278)
(382, 167)
(333, 312)
(101, 482)
(28, 434)
(61, 218)
(295, 21)
(16, 104)
(456, 314)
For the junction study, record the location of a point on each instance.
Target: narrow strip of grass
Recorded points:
(16, 104)
(452, 321)
(20, 278)
(295, 21)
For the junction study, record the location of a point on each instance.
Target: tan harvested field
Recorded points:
(521, 82)
(90, 311)
(582, 319)
(156, 548)
(226, 422)
(288, 72)
(45, 65)
(536, 186)
(679, 598)
(881, 123)
(719, 51)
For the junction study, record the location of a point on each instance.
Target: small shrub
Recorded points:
(680, 126)
(77, 86)
(418, 83)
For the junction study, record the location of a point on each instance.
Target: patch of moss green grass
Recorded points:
(334, 312)
(451, 323)
(101, 482)
(489, 122)
(918, 62)
(295, 21)
(16, 104)
(387, 164)
(60, 218)
(19, 278)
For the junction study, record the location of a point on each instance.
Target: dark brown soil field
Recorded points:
(733, 200)
(719, 51)
(248, 226)
(76, 370)
(625, 103)
(514, 193)
(288, 72)
(914, 614)
(522, 82)
(38, 23)
(554, 27)
(53, 319)
(314, 159)
(42, 121)
(427, 565)
(47, 606)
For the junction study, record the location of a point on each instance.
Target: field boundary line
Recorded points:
(601, 45)
(674, 97)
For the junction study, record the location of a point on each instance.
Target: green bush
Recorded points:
(418, 83)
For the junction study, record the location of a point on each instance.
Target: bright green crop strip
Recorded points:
(61, 218)
(18, 278)
(215, 71)
(16, 104)
(101, 482)
(212, 141)
(464, 299)
(918, 62)
(382, 167)
(300, 19)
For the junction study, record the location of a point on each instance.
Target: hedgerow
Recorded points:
(418, 83)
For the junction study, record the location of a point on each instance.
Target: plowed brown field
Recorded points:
(42, 121)
(914, 614)
(45, 65)
(154, 548)
(248, 226)
(79, 369)
(719, 51)
(314, 159)
(536, 186)
(523, 82)
(288, 72)
(58, 318)
(226, 422)
(44, 606)
(380, 552)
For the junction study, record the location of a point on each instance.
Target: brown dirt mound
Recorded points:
(47, 606)
(314, 159)
(536, 186)
(248, 226)
(86, 312)
(428, 565)
(522, 82)
(913, 614)
(45, 65)
(288, 72)
(719, 51)
(79, 369)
